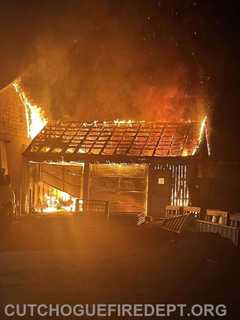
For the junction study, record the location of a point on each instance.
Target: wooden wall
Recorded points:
(13, 135)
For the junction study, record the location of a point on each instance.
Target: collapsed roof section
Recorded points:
(75, 140)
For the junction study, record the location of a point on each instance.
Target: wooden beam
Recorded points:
(41, 157)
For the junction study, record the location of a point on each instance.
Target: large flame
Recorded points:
(34, 114)
(59, 201)
(202, 130)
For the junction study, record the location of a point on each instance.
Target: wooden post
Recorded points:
(24, 201)
(149, 189)
(85, 185)
(30, 201)
(107, 209)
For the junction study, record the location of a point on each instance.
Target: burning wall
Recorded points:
(34, 115)
(13, 135)
(12, 116)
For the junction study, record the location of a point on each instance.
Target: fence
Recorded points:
(179, 218)
(92, 207)
(195, 211)
(172, 211)
(217, 216)
(224, 231)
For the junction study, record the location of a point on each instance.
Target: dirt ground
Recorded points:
(67, 260)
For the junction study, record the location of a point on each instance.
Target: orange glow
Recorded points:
(185, 153)
(202, 128)
(34, 115)
(53, 203)
(59, 201)
(128, 122)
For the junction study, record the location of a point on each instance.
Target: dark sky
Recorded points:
(103, 59)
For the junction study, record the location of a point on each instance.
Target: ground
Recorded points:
(67, 260)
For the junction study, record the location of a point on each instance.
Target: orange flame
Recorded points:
(34, 114)
(203, 127)
(59, 201)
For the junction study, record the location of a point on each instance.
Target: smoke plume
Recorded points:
(104, 60)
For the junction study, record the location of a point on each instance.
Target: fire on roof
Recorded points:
(117, 138)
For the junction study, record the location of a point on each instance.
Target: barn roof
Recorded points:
(76, 140)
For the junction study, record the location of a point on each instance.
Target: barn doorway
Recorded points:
(123, 185)
(55, 188)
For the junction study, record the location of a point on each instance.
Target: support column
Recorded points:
(86, 180)
(149, 198)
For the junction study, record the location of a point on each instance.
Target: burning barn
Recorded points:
(135, 166)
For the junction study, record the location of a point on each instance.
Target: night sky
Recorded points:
(164, 59)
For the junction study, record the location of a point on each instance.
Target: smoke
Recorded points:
(104, 60)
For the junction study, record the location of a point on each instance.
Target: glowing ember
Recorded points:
(185, 153)
(34, 114)
(128, 122)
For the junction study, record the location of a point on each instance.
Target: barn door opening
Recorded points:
(55, 188)
(124, 186)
